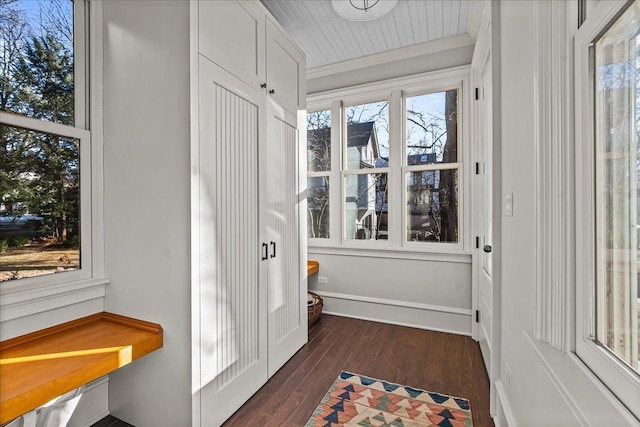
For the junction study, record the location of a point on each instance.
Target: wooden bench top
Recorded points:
(312, 267)
(43, 365)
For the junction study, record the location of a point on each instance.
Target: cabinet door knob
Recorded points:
(263, 85)
(487, 248)
(265, 251)
(272, 91)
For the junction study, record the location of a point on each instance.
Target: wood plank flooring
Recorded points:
(433, 361)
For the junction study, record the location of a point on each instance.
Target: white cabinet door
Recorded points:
(285, 71)
(233, 298)
(287, 290)
(231, 34)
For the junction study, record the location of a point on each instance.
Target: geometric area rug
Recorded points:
(356, 400)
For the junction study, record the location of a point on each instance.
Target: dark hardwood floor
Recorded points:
(432, 361)
(111, 421)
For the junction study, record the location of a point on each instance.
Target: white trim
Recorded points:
(194, 145)
(80, 64)
(357, 307)
(432, 167)
(554, 168)
(44, 126)
(346, 172)
(557, 363)
(462, 257)
(393, 322)
(504, 403)
(428, 48)
(566, 395)
(396, 303)
(21, 303)
(440, 78)
(96, 123)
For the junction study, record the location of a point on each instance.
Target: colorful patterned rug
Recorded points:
(356, 400)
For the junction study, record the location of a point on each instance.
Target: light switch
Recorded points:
(509, 205)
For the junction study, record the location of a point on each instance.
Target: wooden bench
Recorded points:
(43, 365)
(312, 267)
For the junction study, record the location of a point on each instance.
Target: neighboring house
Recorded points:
(365, 194)
(423, 193)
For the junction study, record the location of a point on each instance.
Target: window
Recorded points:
(318, 169)
(432, 167)
(388, 175)
(45, 147)
(366, 163)
(608, 250)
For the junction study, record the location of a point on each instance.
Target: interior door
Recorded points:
(286, 288)
(485, 194)
(233, 297)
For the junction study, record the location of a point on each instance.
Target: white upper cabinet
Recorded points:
(231, 34)
(241, 37)
(285, 70)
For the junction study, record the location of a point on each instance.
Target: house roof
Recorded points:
(358, 135)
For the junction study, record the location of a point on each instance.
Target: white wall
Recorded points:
(548, 387)
(146, 155)
(429, 294)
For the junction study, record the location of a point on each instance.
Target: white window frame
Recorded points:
(320, 174)
(616, 375)
(460, 149)
(359, 99)
(33, 295)
(394, 90)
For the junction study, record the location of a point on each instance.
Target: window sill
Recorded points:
(457, 256)
(584, 393)
(16, 302)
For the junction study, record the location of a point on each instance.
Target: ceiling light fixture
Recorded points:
(362, 10)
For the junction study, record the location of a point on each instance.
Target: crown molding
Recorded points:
(432, 47)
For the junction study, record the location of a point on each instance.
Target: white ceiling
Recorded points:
(328, 38)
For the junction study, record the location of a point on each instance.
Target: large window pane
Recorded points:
(319, 141)
(39, 203)
(617, 186)
(366, 206)
(432, 128)
(367, 136)
(432, 206)
(318, 207)
(37, 59)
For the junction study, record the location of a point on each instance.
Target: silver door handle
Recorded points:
(487, 248)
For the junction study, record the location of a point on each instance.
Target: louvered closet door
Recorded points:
(233, 319)
(287, 299)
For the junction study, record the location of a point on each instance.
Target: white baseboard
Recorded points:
(424, 316)
(94, 404)
(503, 408)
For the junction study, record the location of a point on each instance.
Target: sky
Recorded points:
(31, 8)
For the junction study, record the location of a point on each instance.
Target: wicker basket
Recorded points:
(315, 308)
